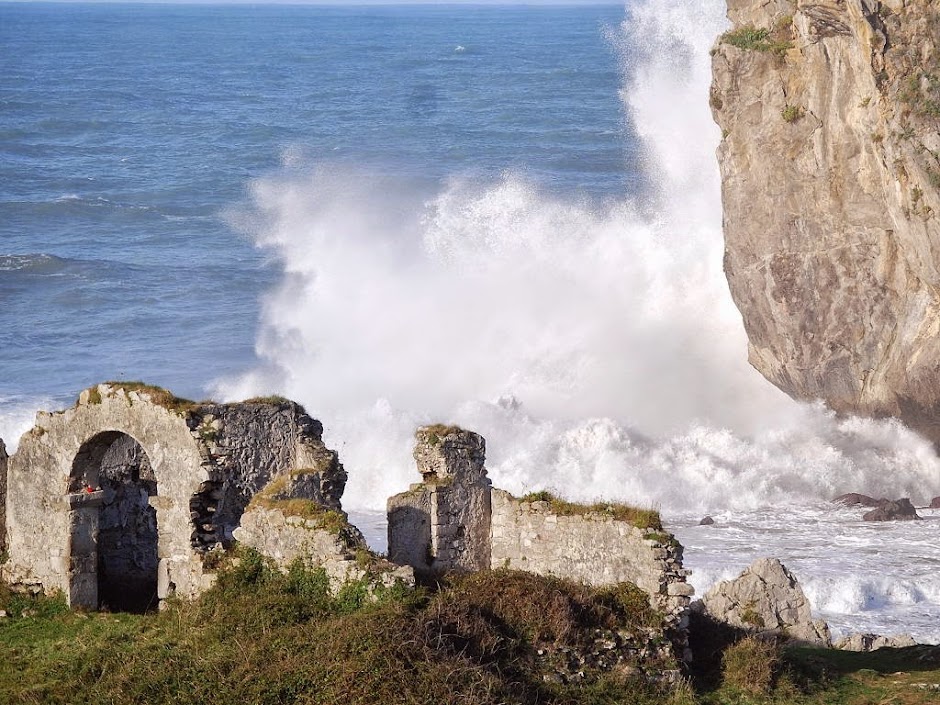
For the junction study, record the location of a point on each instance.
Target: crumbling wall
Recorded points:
(593, 548)
(454, 520)
(322, 541)
(189, 467)
(246, 445)
(443, 523)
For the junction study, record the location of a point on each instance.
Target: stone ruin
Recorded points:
(133, 495)
(455, 520)
(130, 496)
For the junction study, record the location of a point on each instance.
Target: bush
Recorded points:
(751, 665)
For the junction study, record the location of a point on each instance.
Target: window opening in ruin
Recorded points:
(125, 553)
(203, 507)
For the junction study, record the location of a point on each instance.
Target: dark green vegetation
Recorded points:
(263, 637)
(775, 41)
(640, 518)
(732, 669)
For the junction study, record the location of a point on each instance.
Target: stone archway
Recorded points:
(113, 527)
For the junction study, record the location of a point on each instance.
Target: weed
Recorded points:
(750, 38)
(272, 399)
(792, 113)
(435, 433)
(751, 665)
(639, 517)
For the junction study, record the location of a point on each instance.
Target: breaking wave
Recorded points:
(594, 344)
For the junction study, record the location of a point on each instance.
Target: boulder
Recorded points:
(706, 521)
(935, 503)
(872, 642)
(854, 498)
(892, 510)
(766, 598)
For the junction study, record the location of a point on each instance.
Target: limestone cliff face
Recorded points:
(830, 163)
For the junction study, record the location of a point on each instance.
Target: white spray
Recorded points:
(595, 346)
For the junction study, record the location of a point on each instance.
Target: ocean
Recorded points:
(506, 217)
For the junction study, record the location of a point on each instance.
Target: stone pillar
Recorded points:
(83, 549)
(443, 523)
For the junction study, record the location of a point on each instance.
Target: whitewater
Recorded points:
(590, 339)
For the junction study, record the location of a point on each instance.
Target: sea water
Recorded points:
(503, 217)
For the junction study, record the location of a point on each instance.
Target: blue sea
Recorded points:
(128, 131)
(506, 217)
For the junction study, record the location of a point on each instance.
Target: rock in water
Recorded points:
(766, 598)
(892, 510)
(706, 521)
(854, 498)
(831, 197)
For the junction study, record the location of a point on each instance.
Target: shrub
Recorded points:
(750, 38)
(792, 113)
(751, 665)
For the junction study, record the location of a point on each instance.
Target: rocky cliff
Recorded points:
(830, 163)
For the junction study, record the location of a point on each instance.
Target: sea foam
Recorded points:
(593, 343)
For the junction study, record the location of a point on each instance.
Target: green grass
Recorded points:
(435, 433)
(262, 637)
(731, 668)
(269, 497)
(272, 399)
(639, 517)
(157, 395)
(751, 38)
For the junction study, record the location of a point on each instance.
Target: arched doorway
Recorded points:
(114, 534)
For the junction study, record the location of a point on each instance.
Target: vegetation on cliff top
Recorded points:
(749, 38)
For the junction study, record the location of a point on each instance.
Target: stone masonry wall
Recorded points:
(341, 551)
(454, 520)
(590, 548)
(192, 466)
(443, 523)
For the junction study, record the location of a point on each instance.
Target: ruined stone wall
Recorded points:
(249, 443)
(443, 524)
(590, 548)
(190, 468)
(454, 520)
(40, 481)
(339, 549)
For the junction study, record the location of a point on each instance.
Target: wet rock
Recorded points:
(892, 510)
(855, 499)
(935, 503)
(706, 521)
(766, 598)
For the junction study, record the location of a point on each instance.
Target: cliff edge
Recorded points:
(830, 164)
